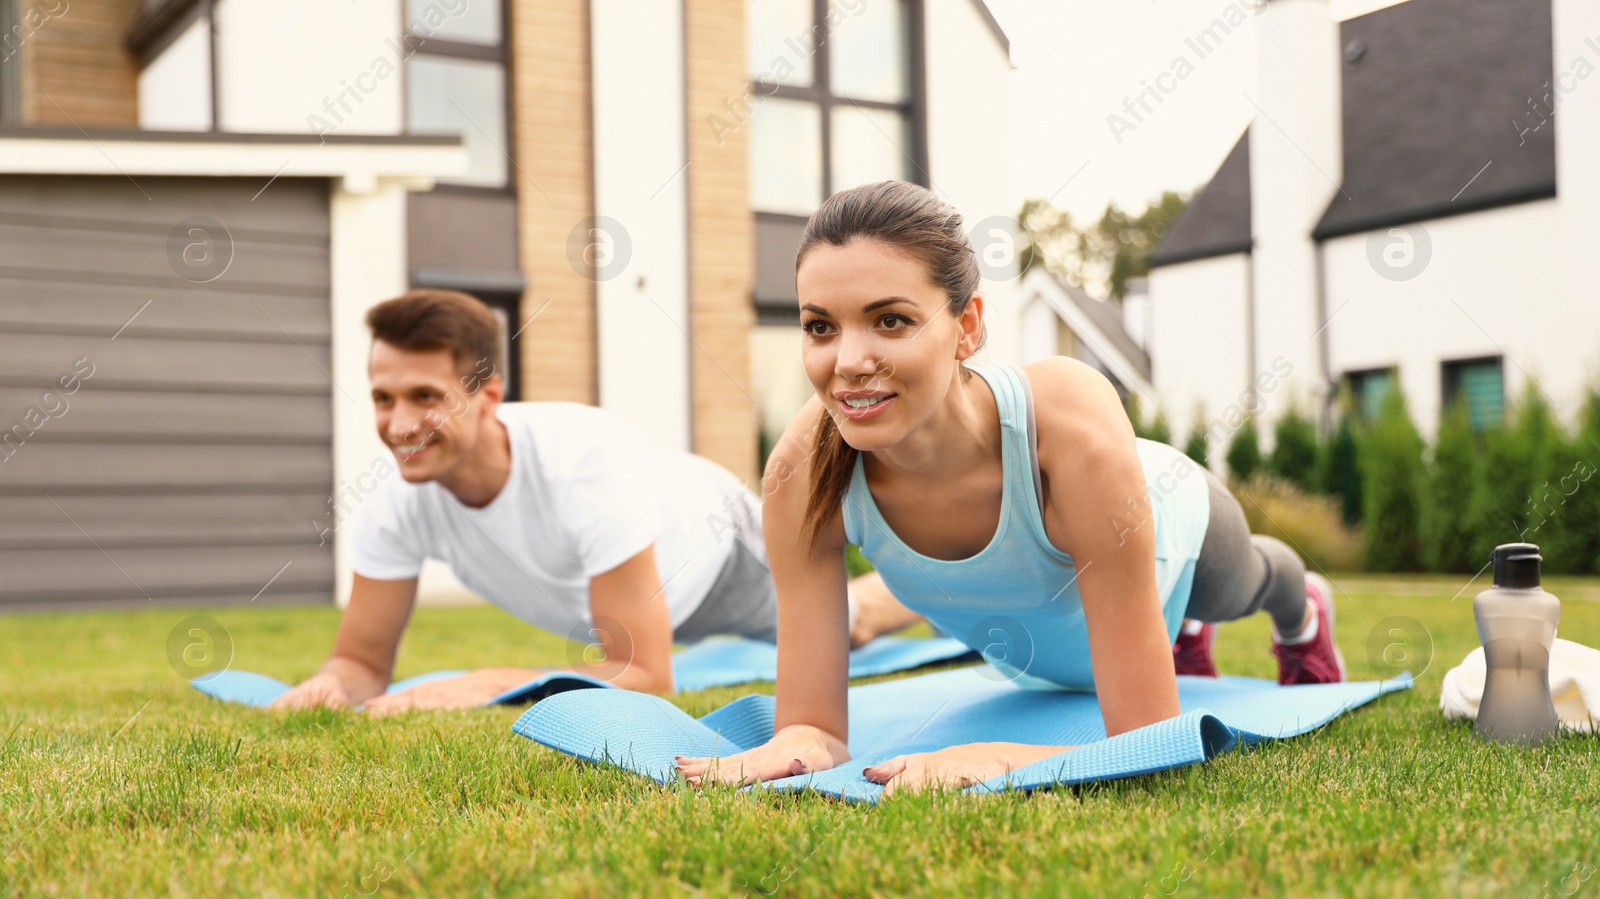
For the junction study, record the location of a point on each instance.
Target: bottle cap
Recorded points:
(1516, 565)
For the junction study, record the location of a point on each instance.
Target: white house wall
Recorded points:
(1197, 342)
(641, 199)
(312, 66)
(967, 72)
(1296, 159)
(1492, 287)
(175, 88)
(1577, 88)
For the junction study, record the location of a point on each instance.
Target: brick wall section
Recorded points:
(555, 191)
(721, 242)
(74, 65)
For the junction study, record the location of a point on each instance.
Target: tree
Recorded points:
(1294, 449)
(1099, 257)
(1244, 451)
(1455, 475)
(1157, 430)
(1569, 498)
(1160, 430)
(1339, 462)
(1198, 446)
(1392, 479)
(1516, 460)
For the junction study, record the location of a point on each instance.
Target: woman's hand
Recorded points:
(322, 690)
(957, 766)
(797, 749)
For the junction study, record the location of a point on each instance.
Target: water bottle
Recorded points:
(1517, 624)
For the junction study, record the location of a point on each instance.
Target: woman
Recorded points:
(1012, 507)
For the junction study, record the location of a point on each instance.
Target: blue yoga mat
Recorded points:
(642, 733)
(712, 663)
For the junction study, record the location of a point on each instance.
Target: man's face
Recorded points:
(425, 416)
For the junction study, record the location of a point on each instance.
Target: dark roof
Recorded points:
(1429, 91)
(1107, 316)
(1217, 220)
(1430, 102)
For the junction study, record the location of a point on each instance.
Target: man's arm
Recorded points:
(364, 651)
(630, 620)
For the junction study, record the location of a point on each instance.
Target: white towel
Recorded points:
(1574, 685)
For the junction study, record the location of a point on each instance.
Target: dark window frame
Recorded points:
(466, 50)
(1354, 377)
(1450, 381)
(510, 304)
(915, 109)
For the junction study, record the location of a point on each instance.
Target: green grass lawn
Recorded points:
(117, 778)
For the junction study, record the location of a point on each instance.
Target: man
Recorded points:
(556, 512)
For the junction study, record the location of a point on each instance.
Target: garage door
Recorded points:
(164, 349)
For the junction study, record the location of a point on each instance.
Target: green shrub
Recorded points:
(1455, 474)
(1392, 475)
(1294, 450)
(1516, 460)
(1160, 431)
(1339, 461)
(1198, 446)
(1569, 499)
(1244, 451)
(1309, 522)
(1157, 430)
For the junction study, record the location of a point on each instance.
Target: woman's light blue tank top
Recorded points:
(1017, 600)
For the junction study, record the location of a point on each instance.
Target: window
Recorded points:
(832, 103)
(504, 306)
(1480, 383)
(1368, 388)
(456, 83)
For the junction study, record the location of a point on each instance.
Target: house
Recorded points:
(1418, 196)
(1059, 319)
(201, 198)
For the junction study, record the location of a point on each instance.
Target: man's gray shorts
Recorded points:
(742, 602)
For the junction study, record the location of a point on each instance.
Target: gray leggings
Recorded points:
(1239, 573)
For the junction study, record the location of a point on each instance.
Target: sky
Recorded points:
(1080, 61)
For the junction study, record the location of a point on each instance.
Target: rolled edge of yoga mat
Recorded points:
(567, 723)
(546, 685)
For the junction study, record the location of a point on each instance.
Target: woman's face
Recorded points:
(880, 345)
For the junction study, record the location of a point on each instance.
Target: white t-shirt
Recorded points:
(585, 494)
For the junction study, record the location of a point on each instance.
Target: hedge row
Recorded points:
(1442, 507)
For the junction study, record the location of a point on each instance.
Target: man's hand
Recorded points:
(797, 749)
(957, 766)
(466, 691)
(323, 690)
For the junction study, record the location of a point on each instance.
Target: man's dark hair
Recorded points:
(432, 319)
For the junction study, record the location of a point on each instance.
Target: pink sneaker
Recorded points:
(1192, 654)
(1318, 660)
